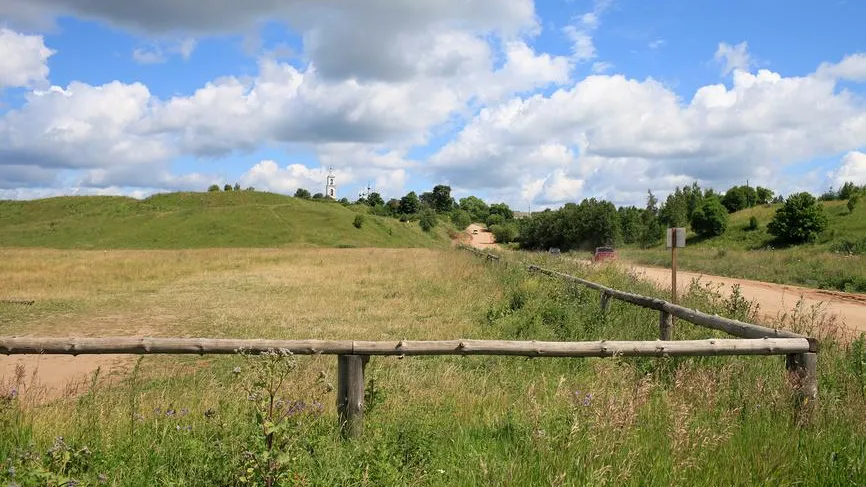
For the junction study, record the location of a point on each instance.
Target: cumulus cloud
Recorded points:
(25, 60)
(269, 176)
(852, 168)
(619, 126)
(733, 58)
(580, 32)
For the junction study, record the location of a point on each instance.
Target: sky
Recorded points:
(530, 103)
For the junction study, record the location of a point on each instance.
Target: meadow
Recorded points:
(430, 420)
(835, 261)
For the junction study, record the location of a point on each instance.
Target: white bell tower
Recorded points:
(330, 187)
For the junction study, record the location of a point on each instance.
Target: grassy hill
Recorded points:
(199, 220)
(752, 254)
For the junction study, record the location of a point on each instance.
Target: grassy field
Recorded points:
(751, 254)
(430, 420)
(199, 220)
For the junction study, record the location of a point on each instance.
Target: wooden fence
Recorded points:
(353, 355)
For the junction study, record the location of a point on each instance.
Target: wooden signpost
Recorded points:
(676, 238)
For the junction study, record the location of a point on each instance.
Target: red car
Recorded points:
(603, 253)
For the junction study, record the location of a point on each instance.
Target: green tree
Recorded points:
(495, 219)
(427, 220)
(213, 187)
(711, 219)
(461, 218)
(393, 206)
(739, 198)
(441, 201)
(410, 204)
(227, 187)
(630, 223)
(800, 219)
(651, 231)
(753, 224)
(502, 209)
(476, 207)
(302, 193)
(375, 199)
(318, 196)
(237, 187)
(852, 202)
(344, 201)
(764, 195)
(848, 190)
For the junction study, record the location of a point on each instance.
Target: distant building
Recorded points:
(330, 186)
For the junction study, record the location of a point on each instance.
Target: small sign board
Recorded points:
(680, 240)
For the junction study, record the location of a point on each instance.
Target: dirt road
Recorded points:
(479, 237)
(774, 299)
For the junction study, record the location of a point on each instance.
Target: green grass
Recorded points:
(713, 421)
(753, 254)
(199, 220)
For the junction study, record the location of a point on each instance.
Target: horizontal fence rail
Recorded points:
(734, 327)
(603, 348)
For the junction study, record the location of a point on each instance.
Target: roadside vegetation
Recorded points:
(430, 420)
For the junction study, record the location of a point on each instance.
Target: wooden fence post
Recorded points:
(665, 325)
(803, 374)
(605, 301)
(350, 393)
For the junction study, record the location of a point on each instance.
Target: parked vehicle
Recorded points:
(603, 253)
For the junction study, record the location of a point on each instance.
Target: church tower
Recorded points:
(330, 187)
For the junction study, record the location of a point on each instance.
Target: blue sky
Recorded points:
(527, 103)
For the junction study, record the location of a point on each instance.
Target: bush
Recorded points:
(461, 219)
(710, 219)
(428, 220)
(359, 221)
(495, 219)
(318, 196)
(801, 219)
(852, 202)
(849, 247)
(302, 193)
(504, 233)
(753, 224)
(227, 187)
(213, 187)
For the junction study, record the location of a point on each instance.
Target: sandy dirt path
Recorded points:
(773, 299)
(482, 239)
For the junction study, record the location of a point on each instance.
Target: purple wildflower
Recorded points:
(587, 400)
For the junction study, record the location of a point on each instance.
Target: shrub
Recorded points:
(428, 220)
(213, 187)
(237, 187)
(801, 219)
(710, 219)
(318, 196)
(753, 224)
(849, 247)
(495, 219)
(505, 232)
(359, 221)
(852, 202)
(302, 193)
(461, 219)
(227, 187)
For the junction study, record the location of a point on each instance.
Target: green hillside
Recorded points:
(199, 220)
(752, 254)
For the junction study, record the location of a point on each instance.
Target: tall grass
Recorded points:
(435, 420)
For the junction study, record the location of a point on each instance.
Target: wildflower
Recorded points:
(184, 411)
(102, 478)
(12, 471)
(587, 400)
(236, 370)
(188, 427)
(170, 411)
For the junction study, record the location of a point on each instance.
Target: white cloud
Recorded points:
(657, 44)
(269, 176)
(733, 58)
(148, 56)
(580, 33)
(852, 168)
(628, 135)
(852, 68)
(158, 54)
(601, 67)
(24, 60)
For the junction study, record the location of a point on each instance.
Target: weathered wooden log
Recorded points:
(665, 325)
(129, 345)
(734, 327)
(605, 301)
(803, 373)
(350, 394)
